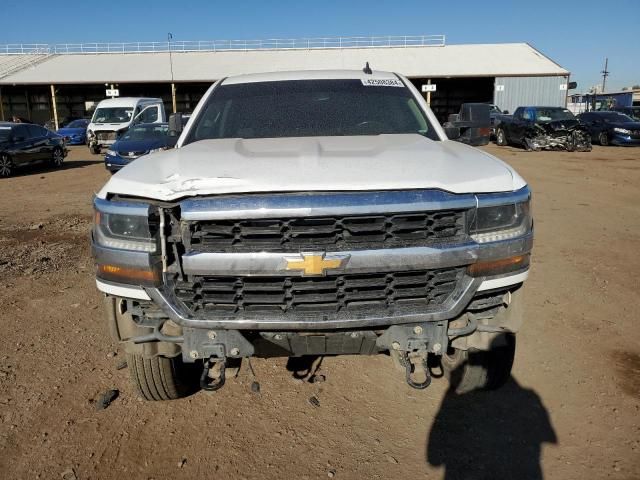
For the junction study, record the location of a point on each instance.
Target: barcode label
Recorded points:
(381, 82)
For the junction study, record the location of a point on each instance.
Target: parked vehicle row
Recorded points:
(544, 128)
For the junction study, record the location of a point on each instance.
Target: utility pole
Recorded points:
(173, 85)
(605, 74)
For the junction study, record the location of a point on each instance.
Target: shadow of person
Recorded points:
(490, 435)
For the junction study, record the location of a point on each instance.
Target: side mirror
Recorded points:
(452, 132)
(506, 112)
(175, 124)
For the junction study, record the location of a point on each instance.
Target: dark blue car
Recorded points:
(75, 132)
(611, 128)
(137, 141)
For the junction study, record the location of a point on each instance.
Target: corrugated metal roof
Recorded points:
(510, 59)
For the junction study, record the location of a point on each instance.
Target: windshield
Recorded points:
(5, 134)
(614, 117)
(633, 113)
(306, 108)
(78, 124)
(113, 115)
(553, 114)
(146, 132)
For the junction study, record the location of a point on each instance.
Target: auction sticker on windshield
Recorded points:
(382, 82)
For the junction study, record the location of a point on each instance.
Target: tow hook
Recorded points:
(217, 367)
(416, 366)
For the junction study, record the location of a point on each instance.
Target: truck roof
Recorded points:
(309, 75)
(125, 101)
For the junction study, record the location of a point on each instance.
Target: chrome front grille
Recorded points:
(390, 293)
(133, 155)
(327, 233)
(105, 135)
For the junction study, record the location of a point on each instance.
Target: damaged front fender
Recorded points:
(569, 136)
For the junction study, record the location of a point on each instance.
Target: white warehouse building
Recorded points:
(72, 77)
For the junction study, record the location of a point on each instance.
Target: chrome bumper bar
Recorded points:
(359, 261)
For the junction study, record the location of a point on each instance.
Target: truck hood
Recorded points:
(358, 163)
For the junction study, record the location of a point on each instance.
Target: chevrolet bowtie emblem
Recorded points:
(316, 263)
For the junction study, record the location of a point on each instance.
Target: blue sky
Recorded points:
(577, 34)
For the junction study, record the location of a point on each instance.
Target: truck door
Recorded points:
(521, 121)
(149, 114)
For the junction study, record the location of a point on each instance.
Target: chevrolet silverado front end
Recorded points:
(314, 213)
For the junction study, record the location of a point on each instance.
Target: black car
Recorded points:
(611, 128)
(26, 143)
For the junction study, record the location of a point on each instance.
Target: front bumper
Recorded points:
(113, 163)
(624, 140)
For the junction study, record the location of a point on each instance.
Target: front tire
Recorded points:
(57, 157)
(469, 370)
(159, 378)
(603, 139)
(95, 149)
(6, 165)
(501, 137)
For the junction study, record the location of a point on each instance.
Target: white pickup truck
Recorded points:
(307, 214)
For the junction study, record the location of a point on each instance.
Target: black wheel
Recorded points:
(501, 138)
(95, 149)
(572, 142)
(603, 138)
(6, 165)
(469, 370)
(57, 157)
(160, 378)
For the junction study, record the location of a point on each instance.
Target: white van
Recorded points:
(114, 115)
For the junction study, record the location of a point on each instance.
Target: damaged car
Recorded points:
(544, 128)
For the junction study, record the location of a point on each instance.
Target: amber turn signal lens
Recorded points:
(128, 275)
(498, 267)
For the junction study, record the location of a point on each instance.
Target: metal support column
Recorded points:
(55, 106)
(173, 97)
(28, 104)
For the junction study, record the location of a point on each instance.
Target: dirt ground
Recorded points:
(571, 409)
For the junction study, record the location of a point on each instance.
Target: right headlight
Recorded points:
(501, 222)
(125, 226)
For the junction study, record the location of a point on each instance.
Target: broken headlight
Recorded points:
(501, 222)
